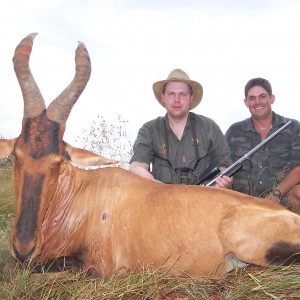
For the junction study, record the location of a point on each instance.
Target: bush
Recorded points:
(6, 164)
(108, 140)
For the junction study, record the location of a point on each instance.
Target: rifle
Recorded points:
(213, 171)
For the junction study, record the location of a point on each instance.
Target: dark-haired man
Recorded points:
(274, 171)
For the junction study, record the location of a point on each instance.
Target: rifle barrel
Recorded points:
(268, 138)
(234, 167)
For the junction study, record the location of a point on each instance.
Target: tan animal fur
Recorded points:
(110, 220)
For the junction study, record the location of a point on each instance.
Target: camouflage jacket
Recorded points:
(266, 167)
(150, 147)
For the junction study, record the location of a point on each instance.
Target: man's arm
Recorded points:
(141, 169)
(291, 179)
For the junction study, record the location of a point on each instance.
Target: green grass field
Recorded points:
(248, 283)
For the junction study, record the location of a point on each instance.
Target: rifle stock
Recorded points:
(235, 167)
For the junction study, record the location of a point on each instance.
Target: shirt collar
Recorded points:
(277, 121)
(168, 125)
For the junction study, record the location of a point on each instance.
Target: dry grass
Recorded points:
(249, 283)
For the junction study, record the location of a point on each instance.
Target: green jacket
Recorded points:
(150, 147)
(267, 166)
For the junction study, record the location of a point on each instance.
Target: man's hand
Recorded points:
(224, 182)
(273, 198)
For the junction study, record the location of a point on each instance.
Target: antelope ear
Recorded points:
(6, 147)
(84, 158)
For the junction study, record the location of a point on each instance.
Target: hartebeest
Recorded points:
(110, 220)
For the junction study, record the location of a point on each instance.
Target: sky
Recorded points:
(132, 44)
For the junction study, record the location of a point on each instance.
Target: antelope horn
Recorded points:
(33, 101)
(61, 107)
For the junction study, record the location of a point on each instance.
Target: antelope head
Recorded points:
(39, 150)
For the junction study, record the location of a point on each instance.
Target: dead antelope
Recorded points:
(109, 220)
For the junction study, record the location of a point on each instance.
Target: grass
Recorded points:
(249, 283)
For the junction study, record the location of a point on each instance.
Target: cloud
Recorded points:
(132, 44)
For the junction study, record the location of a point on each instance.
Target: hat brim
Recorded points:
(196, 87)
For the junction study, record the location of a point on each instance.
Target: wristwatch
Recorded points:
(277, 194)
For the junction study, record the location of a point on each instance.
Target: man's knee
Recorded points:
(293, 202)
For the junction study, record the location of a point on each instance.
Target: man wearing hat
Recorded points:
(180, 146)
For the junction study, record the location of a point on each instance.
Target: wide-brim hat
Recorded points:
(179, 75)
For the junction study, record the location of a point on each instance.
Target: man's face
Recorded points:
(259, 102)
(177, 98)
